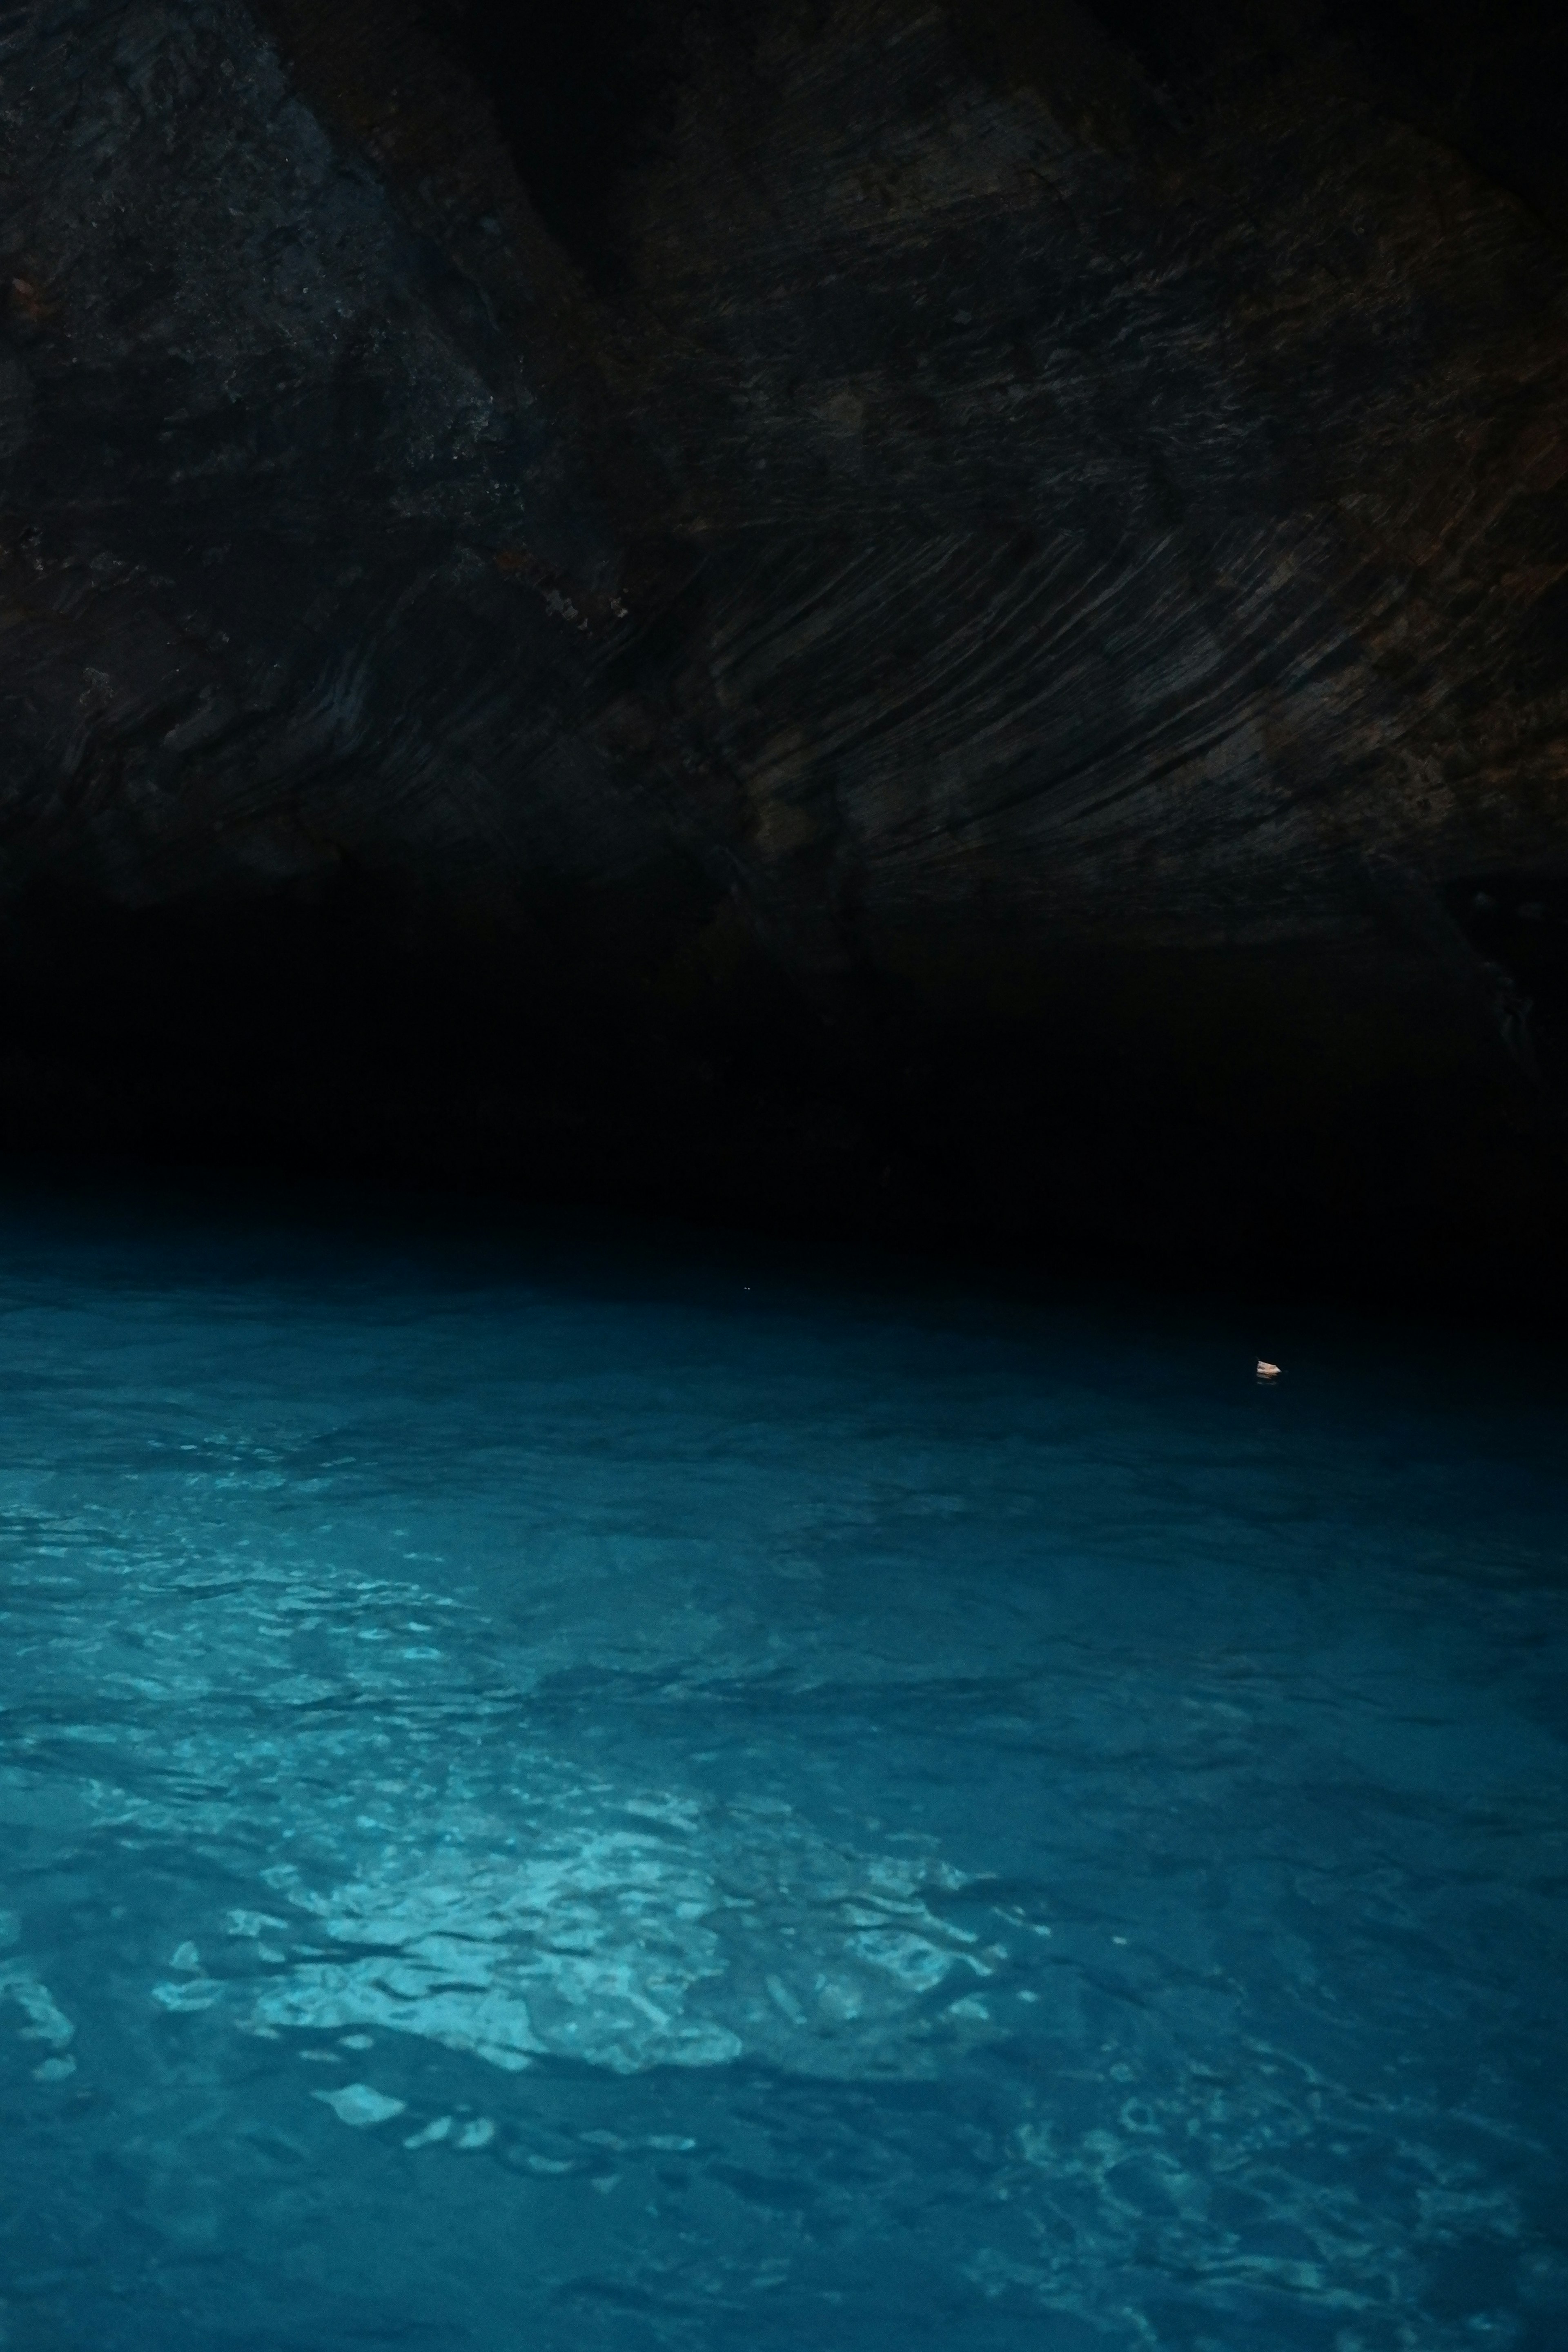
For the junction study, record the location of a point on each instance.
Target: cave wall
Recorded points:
(947, 621)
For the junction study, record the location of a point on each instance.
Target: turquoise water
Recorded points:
(571, 1791)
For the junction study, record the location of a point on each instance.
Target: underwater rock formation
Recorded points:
(941, 621)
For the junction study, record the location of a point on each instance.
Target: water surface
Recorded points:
(566, 1791)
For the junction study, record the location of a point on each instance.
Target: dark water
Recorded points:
(552, 1799)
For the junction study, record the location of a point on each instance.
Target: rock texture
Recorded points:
(945, 621)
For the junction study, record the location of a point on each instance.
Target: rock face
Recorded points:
(948, 621)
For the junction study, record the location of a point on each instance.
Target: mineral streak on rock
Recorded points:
(941, 620)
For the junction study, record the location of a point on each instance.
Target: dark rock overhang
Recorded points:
(941, 621)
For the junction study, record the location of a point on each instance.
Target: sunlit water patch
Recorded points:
(584, 1796)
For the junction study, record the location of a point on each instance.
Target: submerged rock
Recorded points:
(940, 621)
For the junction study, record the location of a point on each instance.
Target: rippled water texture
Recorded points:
(552, 1799)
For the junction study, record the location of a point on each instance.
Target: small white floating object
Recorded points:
(358, 2105)
(1267, 1371)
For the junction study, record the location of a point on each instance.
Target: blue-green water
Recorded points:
(552, 1799)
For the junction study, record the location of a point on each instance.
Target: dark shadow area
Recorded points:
(1487, 78)
(1519, 924)
(580, 96)
(1231, 1125)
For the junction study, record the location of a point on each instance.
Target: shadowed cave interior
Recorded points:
(784, 1176)
(947, 625)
